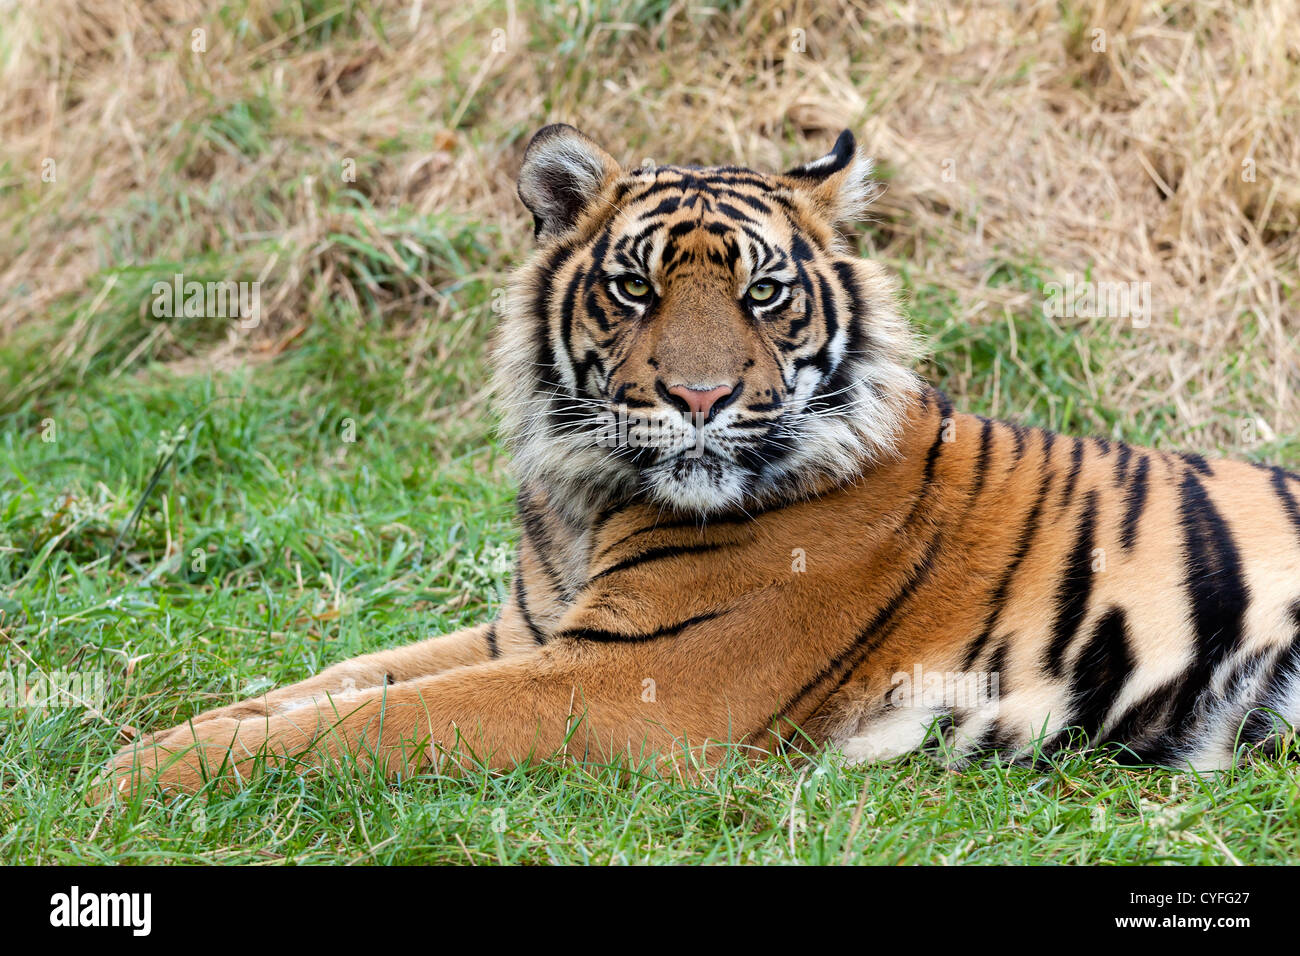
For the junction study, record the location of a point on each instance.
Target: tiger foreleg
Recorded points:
(585, 702)
(347, 679)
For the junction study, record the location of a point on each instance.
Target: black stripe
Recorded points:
(609, 511)
(999, 598)
(932, 456)
(663, 184)
(615, 637)
(1101, 670)
(541, 315)
(1197, 462)
(982, 462)
(693, 522)
(753, 202)
(658, 554)
(1021, 435)
(740, 176)
(631, 403)
(831, 324)
(1279, 479)
(1141, 730)
(620, 190)
(1049, 442)
(1213, 580)
(644, 230)
(1072, 478)
(858, 308)
(493, 651)
(668, 205)
(535, 534)
(567, 303)
(1074, 589)
(690, 186)
(703, 523)
(727, 209)
(522, 601)
(1121, 464)
(869, 638)
(998, 666)
(997, 738)
(1135, 502)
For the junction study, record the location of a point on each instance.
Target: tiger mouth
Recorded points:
(700, 472)
(691, 463)
(704, 458)
(703, 483)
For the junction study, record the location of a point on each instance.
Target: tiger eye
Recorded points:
(762, 291)
(634, 287)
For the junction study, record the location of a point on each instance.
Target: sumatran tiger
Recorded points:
(744, 519)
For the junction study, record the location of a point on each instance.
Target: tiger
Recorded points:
(747, 524)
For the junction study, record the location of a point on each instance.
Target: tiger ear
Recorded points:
(562, 173)
(839, 183)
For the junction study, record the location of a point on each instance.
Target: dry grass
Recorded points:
(1126, 164)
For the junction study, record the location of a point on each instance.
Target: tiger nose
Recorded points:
(700, 401)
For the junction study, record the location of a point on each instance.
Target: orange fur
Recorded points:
(1148, 600)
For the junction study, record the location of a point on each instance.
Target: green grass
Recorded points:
(266, 547)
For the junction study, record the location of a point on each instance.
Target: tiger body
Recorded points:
(1120, 595)
(803, 544)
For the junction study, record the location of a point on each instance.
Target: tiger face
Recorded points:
(700, 336)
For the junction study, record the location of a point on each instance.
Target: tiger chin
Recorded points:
(744, 520)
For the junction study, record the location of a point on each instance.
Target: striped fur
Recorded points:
(829, 553)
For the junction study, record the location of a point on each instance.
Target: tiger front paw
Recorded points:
(180, 760)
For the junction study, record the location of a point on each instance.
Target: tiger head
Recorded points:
(703, 337)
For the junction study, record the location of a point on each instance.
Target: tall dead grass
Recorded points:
(1125, 140)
